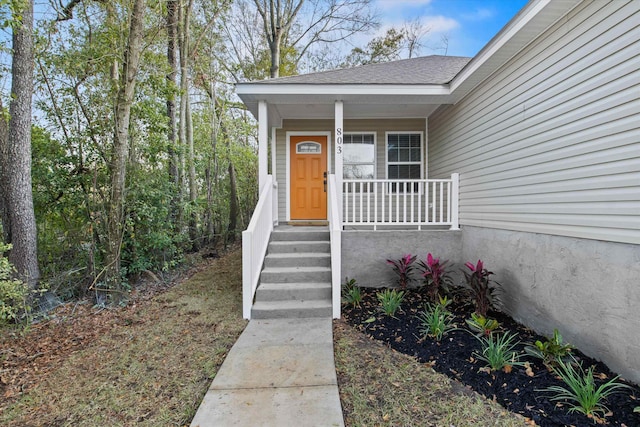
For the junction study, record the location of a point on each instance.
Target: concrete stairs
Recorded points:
(296, 278)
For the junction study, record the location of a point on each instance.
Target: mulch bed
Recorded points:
(453, 355)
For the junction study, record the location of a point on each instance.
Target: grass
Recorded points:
(153, 368)
(381, 387)
(151, 363)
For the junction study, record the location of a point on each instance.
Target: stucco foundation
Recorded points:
(588, 289)
(364, 253)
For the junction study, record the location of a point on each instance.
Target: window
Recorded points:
(359, 156)
(404, 155)
(308, 148)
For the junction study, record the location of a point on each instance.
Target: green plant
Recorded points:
(499, 351)
(403, 267)
(390, 301)
(13, 293)
(481, 286)
(351, 293)
(435, 320)
(582, 394)
(551, 350)
(435, 275)
(482, 325)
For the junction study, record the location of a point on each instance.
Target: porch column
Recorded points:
(338, 136)
(263, 138)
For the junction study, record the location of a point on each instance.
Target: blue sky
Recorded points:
(467, 24)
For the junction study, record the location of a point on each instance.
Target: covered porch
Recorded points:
(360, 149)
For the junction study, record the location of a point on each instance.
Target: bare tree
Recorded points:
(172, 41)
(20, 226)
(302, 24)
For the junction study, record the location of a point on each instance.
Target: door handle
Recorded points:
(325, 181)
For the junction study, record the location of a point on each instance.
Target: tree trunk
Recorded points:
(5, 221)
(17, 169)
(172, 40)
(186, 128)
(233, 203)
(121, 145)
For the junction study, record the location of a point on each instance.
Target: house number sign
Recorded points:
(339, 140)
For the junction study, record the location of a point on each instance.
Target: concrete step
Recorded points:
(315, 246)
(295, 274)
(303, 259)
(291, 309)
(300, 234)
(293, 291)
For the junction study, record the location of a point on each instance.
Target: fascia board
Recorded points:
(256, 90)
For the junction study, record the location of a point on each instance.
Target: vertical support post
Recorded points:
(455, 191)
(339, 153)
(273, 175)
(263, 136)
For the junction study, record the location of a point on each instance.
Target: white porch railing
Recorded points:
(255, 240)
(415, 202)
(335, 230)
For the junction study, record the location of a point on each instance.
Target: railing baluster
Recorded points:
(441, 201)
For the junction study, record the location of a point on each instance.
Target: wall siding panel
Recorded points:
(550, 143)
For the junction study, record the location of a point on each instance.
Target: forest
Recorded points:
(122, 144)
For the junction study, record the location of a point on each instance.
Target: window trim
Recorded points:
(375, 152)
(386, 152)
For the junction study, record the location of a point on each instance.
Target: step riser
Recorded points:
(301, 294)
(290, 313)
(299, 236)
(299, 247)
(295, 276)
(297, 262)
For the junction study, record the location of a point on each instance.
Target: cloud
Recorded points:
(480, 14)
(399, 4)
(440, 24)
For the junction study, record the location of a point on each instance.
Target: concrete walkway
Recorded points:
(280, 372)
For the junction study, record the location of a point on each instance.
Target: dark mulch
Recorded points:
(516, 391)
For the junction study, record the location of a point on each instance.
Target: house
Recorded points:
(526, 156)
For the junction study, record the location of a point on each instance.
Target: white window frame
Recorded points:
(386, 152)
(375, 152)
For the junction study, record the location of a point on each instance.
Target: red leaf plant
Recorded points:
(481, 286)
(435, 276)
(403, 267)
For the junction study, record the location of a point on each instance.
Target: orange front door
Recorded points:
(308, 167)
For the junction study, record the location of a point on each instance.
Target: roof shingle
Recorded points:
(434, 69)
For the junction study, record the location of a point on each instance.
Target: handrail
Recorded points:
(255, 240)
(391, 202)
(335, 230)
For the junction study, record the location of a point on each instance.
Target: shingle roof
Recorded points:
(434, 69)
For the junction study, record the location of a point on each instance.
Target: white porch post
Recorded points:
(273, 175)
(455, 205)
(263, 137)
(338, 138)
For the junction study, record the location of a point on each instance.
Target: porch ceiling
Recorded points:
(356, 106)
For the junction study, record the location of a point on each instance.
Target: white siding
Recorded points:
(550, 143)
(323, 125)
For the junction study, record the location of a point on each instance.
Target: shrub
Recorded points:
(499, 351)
(13, 293)
(551, 350)
(436, 320)
(582, 395)
(390, 301)
(403, 267)
(351, 293)
(482, 325)
(481, 286)
(435, 276)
